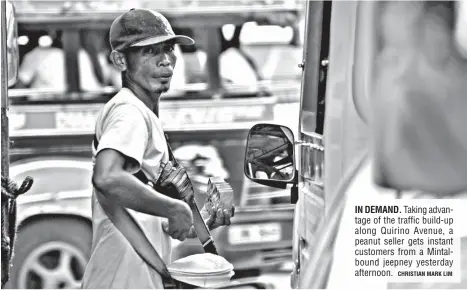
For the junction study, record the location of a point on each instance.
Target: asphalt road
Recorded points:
(280, 280)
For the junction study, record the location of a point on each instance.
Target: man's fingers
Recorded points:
(182, 237)
(176, 235)
(211, 220)
(165, 226)
(220, 217)
(226, 217)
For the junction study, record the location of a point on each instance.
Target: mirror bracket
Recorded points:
(294, 189)
(294, 194)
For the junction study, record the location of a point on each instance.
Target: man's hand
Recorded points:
(217, 218)
(180, 222)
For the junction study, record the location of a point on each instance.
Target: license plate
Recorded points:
(260, 233)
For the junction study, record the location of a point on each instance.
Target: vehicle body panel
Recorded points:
(346, 139)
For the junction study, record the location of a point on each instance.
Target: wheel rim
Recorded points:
(55, 265)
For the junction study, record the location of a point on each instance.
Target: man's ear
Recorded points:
(119, 60)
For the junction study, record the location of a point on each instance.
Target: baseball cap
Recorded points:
(141, 27)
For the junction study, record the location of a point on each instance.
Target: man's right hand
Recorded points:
(180, 221)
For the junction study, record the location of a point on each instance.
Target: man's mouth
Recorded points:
(165, 77)
(167, 74)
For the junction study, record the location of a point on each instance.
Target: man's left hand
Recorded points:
(214, 220)
(217, 218)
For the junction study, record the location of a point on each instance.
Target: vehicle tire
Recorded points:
(51, 253)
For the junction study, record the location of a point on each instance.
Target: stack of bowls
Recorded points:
(202, 270)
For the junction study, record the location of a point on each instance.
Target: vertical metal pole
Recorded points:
(213, 50)
(4, 119)
(4, 92)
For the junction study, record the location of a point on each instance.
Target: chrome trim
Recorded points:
(53, 210)
(311, 145)
(49, 196)
(165, 104)
(271, 85)
(55, 149)
(268, 195)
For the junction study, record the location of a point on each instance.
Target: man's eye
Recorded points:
(149, 50)
(169, 48)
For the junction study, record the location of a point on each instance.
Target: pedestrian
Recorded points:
(129, 139)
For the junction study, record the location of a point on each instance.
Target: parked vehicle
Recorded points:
(52, 131)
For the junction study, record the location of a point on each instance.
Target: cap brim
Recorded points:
(179, 39)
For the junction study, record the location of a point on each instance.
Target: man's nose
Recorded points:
(165, 60)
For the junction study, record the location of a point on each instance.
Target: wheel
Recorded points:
(51, 253)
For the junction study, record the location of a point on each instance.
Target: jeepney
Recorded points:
(207, 124)
(328, 157)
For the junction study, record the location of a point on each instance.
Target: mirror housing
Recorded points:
(12, 44)
(270, 155)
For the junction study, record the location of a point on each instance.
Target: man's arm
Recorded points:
(113, 181)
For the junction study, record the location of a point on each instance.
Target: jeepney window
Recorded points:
(57, 179)
(43, 64)
(276, 50)
(234, 66)
(41, 61)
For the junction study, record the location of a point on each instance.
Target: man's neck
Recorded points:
(151, 100)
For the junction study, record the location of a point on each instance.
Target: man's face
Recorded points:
(152, 66)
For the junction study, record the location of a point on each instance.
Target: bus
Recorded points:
(206, 116)
(330, 159)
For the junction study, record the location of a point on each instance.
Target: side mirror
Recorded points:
(12, 44)
(269, 156)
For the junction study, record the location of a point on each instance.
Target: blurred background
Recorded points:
(243, 70)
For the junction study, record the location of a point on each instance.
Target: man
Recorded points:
(130, 138)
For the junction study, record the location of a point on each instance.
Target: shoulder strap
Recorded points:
(171, 155)
(140, 174)
(131, 230)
